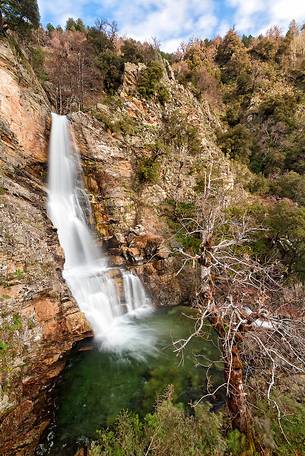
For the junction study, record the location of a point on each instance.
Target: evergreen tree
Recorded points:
(20, 15)
(50, 27)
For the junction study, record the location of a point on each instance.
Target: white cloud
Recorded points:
(171, 21)
(174, 21)
(256, 16)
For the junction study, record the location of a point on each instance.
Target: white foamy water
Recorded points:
(112, 313)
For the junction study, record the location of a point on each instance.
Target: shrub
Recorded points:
(167, 431)
(237, 143)
(3, 346)
(149, 170)
(179, 133)
(37, 61)
(290, 185)
(125, 124)
(286, 236)
(149, 82)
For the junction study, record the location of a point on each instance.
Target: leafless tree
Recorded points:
(246, 302)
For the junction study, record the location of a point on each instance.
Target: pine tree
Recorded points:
(20, 15)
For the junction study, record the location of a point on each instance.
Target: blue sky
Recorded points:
(174, 21)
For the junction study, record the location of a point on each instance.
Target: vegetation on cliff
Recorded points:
(244, 240)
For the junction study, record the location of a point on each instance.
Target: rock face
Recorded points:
(130, 135)
(136, 172)
(39, 319)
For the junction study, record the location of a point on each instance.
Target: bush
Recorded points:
(237, 143)
(166, 432)
(179, 133)
(149, 82)
(3, 346)
(37, 61)
(282, 109)
(149, 170)
(286, 235)
(290, 185)
(125, 124)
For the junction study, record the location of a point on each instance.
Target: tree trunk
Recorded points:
(237, 400)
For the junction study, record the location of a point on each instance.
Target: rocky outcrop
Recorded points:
(132, 214)
(120, 139)
(38, 317)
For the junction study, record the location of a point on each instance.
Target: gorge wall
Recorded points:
(124, 143)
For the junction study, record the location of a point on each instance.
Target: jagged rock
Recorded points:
(39, 319)
(130, 216)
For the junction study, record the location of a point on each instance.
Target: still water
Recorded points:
(96, 386)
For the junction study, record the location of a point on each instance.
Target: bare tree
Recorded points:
(245, 301)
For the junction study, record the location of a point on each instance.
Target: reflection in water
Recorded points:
(96, 386)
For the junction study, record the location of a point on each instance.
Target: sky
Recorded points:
(175, 21)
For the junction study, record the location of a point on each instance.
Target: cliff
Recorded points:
(39, 319)
(137, 173)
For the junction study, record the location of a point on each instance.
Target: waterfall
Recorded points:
(111, 312)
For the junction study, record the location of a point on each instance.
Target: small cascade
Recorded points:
(86, 269)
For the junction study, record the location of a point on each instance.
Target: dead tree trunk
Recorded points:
(233, 367)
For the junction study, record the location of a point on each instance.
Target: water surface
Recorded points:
(96, 386)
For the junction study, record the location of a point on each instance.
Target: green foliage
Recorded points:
(292, 424)
(285, 437)
(112, 67)
(37, 61)
(184, 211)
(286, 223)
(149, 84)
(19, 274)
(179, 133)
(163, 95)
(50, 27)
(75, 25)
(123, 125)
(290, 185)
(107, 62)
(259, 184)
(149, 170)
(16, 324)
(228, 47)
(282, 109)
(167, 431)
(3, 347)
(264, 49)
(132, 52)
(237, 142)
(21, 16)
(237, 443)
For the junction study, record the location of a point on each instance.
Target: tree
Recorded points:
(77, 25)
(19, 15)
(259, 324)
(50, 27)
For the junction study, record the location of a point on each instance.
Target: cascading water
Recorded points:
(86, 271)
